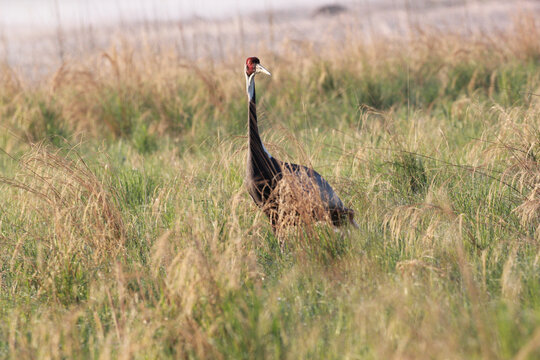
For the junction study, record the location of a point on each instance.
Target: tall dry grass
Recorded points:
(125, 231)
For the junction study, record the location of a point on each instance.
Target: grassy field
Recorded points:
(126, 231)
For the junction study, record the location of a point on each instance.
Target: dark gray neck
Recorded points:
(259, 159)
(255, 142)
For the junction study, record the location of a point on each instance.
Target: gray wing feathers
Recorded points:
(327, 194)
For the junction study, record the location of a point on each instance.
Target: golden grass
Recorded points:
(141, 242)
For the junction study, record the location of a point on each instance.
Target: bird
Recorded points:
(289, 194)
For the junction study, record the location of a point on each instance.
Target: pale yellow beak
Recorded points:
(260, 69)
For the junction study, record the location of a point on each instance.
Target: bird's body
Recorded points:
(288, 193)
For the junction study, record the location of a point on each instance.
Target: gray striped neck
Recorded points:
(254, 137)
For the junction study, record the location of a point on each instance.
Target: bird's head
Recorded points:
(253, 66)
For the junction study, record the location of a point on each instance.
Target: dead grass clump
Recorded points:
(523, 173)
(204, 256)
(71, 219)
(297, 202)
(80, 203)
(120, 89)
(200, 271)
(517, 147)
(426, 222)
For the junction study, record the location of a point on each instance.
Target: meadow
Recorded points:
(126, 231)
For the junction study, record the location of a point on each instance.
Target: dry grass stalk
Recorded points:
(65, 193)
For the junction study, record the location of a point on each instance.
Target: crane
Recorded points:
(288, 194)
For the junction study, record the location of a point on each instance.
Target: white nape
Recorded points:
(250, 86)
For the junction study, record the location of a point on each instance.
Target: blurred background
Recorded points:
(37, 36)
(125, 227)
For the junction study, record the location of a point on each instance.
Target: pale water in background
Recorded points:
(46, 13)
(37, 36)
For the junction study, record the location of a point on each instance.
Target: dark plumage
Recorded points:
(287, 193)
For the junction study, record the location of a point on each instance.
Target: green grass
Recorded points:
(126, 232)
